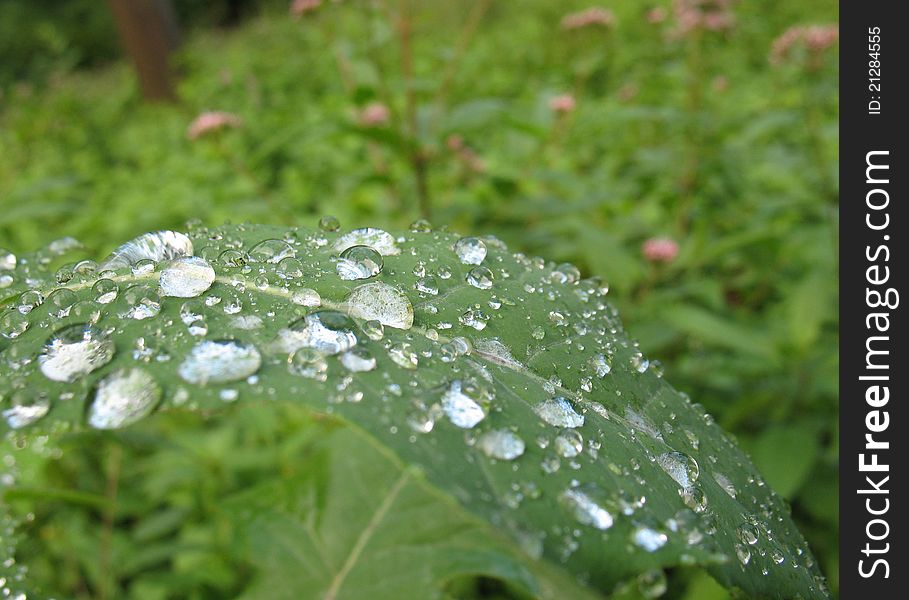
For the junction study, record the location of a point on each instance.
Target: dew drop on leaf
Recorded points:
(327, 331)
(26, 407)
(501, 444)
(122, 398)
(358, 360)
(585, 509)
(379, 240)
(480, 278)
(7, 260)
(156, 246)
(309, 363)
(74, 351)
(470, 250)
(649, 539)
(105, 291)
(270, 251)
(329, 223)
(186, 277)
(568, 443)
(219, 361)
(559, 413)
(462, 410)
(403, 355)
(359, 262)
(681, 467)
(383, 303)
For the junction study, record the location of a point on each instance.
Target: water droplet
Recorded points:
(583, 507)
(7, 260)
(681, 467)
(403, 355)
(359, 262)
(747, 533)
(327, 331)
(743, 554)
(652, 584)
(186, 277)
(306, 297)
(480, 278)
(13, 324)
(559, 413)
(374, 330)
(220, 361)
(427, 285)
(379, 240)
(725, 483)
(462, 410)
(358, 360)
(329, 223)
(501, 444)
(381, 302)
(470, 250)
(649, 539)
(600, 366)
(156, 246)
(569, 443)
(476, 319)
(105, 291)
(26, 407)
(271, 251)
(74, 351)
(309, 363)
(122, 398)
(232, 258)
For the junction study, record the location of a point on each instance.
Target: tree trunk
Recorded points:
(149, 32)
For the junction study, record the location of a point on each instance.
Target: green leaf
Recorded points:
(501, 392)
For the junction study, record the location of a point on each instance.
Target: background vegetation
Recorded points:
(579, 144)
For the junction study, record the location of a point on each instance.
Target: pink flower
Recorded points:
(212, 121)
(563, 103)
(656, 15)
(465, 154)
(815, 38)
(592, 16)
(374, 114)
(660, 250)
(708, 15)
(298, 8)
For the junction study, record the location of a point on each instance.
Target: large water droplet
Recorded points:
(74, 351)
(26, 407)
(186, 277)
(309, 363)
(462, 410)
(559, 413)
(381, 241)
(470, 250)
(587, 511)
(328, 331)
(220, 361)
(383, 303)
(359, 262)
(568, 443)
(480, 278)
(502, 444)
(271, 251)
(358, 360)
(681, 467)
(156, 246)
(649, 539)
(122, 398)
(7, 260)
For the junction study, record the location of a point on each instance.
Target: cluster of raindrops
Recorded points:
(419, 336)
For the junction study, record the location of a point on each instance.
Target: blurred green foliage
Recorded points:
(694, 137)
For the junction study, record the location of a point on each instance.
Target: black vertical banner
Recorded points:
(874, 423)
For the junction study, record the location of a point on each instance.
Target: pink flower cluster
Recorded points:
(375, 114)
(208, 122)
(592, 16)
(709, 15)
(660, 250)
(465, 154)
(815, 38)
(563, 103)
(298, 8)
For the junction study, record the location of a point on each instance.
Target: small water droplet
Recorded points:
(501, 444)
(122, 398)
(7, 260)
(26, 407)
(681, 467)
(327, 331)
(462, 410)
(747, 533)
(105, 291)
(379, 240)
(649, 539)
(480, 278)
(381, 302)
(309, 363)
(569, 443)
(329, 223)
(358, 360)
(359, 262)
(470, 250)
(559, 413)
(585, 509)
(220, 361)
(74, 351)
(271, 251)
(403, 355)
(186, 277)
(652, 584)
